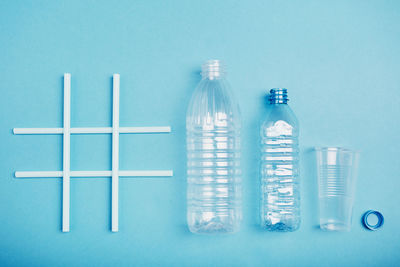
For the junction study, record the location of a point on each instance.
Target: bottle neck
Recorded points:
(278, 96)
(212, 70)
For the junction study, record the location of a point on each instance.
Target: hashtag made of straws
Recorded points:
(115, 173)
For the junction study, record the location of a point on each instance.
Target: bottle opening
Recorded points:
(213, 69)
(278, 96)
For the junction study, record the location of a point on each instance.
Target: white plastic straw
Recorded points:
(115, 153)
(55, 174)
(93, 130)
(66, 152)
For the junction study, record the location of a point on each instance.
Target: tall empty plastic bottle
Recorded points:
(213, 155)
(280, 194)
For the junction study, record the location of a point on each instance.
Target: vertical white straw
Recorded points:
(66, 152)
(115, 153)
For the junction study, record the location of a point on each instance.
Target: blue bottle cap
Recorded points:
(377, 225)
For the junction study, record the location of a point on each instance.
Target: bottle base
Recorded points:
(221, 221)
(280, 227)
(213, 227)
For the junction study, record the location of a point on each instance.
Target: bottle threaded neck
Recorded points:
(213, 69)
(278, 96)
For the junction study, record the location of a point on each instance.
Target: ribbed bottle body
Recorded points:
(213, 160)
(280, 192)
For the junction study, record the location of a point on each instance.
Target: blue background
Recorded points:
(339, 60)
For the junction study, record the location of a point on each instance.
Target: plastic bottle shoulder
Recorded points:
(282, 118)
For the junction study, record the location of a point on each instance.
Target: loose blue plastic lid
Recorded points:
(377, 225)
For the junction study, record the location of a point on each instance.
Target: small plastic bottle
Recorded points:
(280, 193)
(213, 155)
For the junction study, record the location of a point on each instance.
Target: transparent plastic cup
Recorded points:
(337, 174)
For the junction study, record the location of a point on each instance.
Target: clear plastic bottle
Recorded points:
(280, 192)
(213, 155)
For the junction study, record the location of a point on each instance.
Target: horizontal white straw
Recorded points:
(52, 174)
(38, 130)
(93, 130)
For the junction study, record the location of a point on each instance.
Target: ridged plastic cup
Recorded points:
(337, 174)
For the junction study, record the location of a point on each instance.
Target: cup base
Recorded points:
(340, 227)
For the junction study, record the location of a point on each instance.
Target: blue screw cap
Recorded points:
(278, 96)
(377, 225)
